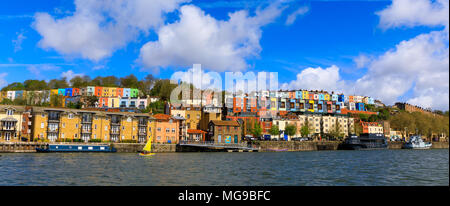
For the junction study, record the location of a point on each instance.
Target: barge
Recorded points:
(364, 142)
(75, 148)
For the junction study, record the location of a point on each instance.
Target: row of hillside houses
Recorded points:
(73, 92)
(108, 97)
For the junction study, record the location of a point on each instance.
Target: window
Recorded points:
(64, 125)
(159, 129)
(10, 112)
(42, 125)
(76, 125)
(173, 130)
(70, 115)
(167, 130)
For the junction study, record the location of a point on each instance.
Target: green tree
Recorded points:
(6, 101)
(364, 117)
(336, 132)
(290, 129)
(35, 85)
(256, 131)
(357, 128)
(274, 130)
(79, 82)
(373, 118)
(16, 86)
(58, 83)
(129, 81)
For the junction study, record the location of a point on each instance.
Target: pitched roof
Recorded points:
(162, 116)
(195, 131)
(225, 123)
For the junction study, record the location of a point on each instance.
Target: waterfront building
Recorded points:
(11, 118)
(220, 131)
(371, 127)
(193, 115)
(209, 113)
(52, 124)
(11, 95)
(196, 135)
(166, 129)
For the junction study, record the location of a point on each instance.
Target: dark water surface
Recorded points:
(377, 167)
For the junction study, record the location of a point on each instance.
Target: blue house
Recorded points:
(69, 92)
(360, 106)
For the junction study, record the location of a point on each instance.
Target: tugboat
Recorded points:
(364, 142)
(75, 148)
(416, 142)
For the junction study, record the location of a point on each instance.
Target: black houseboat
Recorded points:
(364, 142)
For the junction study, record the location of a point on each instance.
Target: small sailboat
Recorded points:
(147, 149)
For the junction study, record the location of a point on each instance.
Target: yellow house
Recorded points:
(311, 106)
(52, 125)
(11, 123)
(54, 92)
(113, 102)
(305, 94)
(327, 97)
(112, 92)
(193, 116)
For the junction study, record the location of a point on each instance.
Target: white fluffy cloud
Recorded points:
(412, 13)
(198, 38)
(420, 64)
(70, 74)
(97, 28)
(18, 42)
(318, 79)
(293, 16)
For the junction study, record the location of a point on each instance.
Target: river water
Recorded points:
(377, 167)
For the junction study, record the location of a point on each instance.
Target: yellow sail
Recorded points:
(148, 146)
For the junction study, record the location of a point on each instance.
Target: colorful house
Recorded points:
(360, 106)
(76, 92)
(68, 92)
(329, 107)
(311, 106)
(103, 102)
(126, 92)
(119, 92)
(90, 91)
(334, 97)
(98, 92)
(327, 97)
(134, 92)
(305, 94)
(62, 92)
(321, 97)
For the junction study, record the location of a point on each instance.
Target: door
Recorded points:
(235, 139)
(218, 138)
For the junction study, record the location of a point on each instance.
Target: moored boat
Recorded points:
(416, 142)
(146, 151)
(75, 148)
(364, 142)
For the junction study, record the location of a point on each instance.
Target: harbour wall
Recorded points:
(265, 146)
(274, 146)
(136, 147)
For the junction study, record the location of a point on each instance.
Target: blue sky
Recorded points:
(330, 33)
